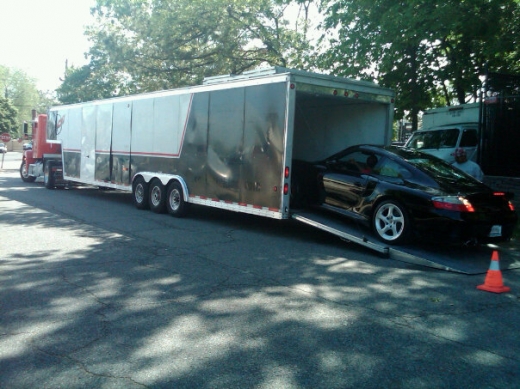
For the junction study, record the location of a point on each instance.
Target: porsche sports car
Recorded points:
(403, 194)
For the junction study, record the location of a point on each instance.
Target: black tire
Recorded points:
(23, 173)
(175, 203)
(391, 222)
(157, 196)
(48, 176)
(140, 193)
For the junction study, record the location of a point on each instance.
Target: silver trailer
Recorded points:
(228, 143)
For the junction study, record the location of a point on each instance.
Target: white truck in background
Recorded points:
(446, 129)
(489, 131)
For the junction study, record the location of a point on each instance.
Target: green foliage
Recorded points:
(45, 101)
(21, 92)
(7, 117)
(147, 45)
(89, 83)
(430, 51)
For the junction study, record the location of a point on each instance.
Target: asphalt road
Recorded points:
(97, 294)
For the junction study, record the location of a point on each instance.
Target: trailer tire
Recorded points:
(391, 222)
(140, 193)
(175, 203)
(24, 174)
(157, 197)
(49, 181)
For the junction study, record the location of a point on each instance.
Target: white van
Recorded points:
(447, 128)
(444, 140)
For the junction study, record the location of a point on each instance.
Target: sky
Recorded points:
(38, 36)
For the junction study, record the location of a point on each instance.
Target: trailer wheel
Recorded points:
(157, 196)
(140, 193)
(391, 222)
(24, 173)
(48, 176)
(175, 200)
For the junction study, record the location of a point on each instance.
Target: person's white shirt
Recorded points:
(470, 167)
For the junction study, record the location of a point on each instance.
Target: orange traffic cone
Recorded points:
(493, 282)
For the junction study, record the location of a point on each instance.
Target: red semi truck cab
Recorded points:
(44, 160)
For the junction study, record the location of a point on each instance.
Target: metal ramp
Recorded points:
(335, 226)
(466, 260)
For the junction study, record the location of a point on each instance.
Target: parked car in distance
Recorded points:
(403, 194)
(27, 146)
(3, 148)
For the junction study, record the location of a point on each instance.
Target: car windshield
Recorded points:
(431, 165)
(437, 139)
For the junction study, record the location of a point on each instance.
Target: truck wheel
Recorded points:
(157, 196)
(391, 222)
(24, 173)
(48, 176)
(140, 193)
(175, 200)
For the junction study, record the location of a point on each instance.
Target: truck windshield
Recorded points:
(436, 139)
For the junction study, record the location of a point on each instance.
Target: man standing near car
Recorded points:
(470, 167)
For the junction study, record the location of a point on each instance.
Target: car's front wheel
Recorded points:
(391, 222)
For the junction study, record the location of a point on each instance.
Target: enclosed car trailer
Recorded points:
(227, 144)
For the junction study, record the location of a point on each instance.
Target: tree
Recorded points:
(91, 82)
(21, 92)
(45, 101)
(147, 45)
(7, 116)
(430, 51)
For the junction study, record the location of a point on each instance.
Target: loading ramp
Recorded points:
(459, 259)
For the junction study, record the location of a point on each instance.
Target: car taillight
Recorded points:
(452, 203)
(509, 203)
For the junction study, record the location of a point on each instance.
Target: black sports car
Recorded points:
(403, 193)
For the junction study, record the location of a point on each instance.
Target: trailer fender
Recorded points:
(165, 179)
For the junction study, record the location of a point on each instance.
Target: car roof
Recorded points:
(394, 151)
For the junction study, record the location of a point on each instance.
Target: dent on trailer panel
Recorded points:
(193, 159)
(265, 109)
(225, 144)
(244, 155)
